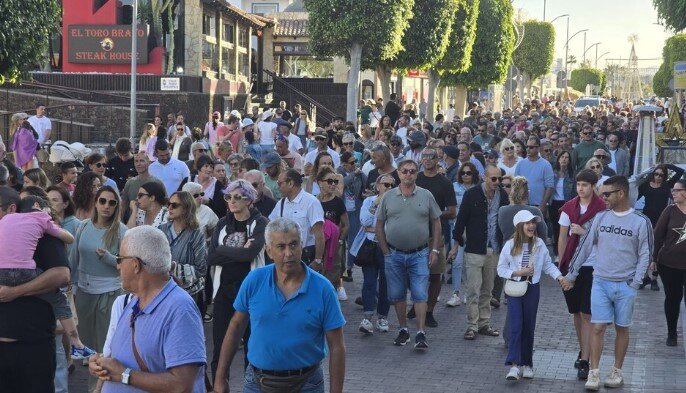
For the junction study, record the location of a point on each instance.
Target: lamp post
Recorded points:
(598, 58)
(567, 56)
(591, 46)
(134, 63)
(554, 19)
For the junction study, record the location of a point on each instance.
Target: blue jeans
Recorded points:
(61, 372)
(402, 269)
(373, 275)
(313, 385)
(521, 315)
(457, 270)
(354, 219)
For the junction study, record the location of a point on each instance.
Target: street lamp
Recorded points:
(591, 46)
(567, 56)
(560, 16)
(599, 57)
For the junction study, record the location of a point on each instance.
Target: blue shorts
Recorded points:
(402, 268)
(612, 302)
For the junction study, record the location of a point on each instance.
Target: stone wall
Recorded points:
(192, 14)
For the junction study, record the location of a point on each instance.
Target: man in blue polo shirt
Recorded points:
(294, 313)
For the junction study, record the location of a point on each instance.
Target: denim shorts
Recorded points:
(402, 268)
(313, 385)
(612, 302)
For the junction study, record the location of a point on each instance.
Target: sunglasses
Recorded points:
(319, 138)
(607, 194)
(202, 194)
(179, 129)
(105, 201)
(509, 148)
(141, 195)
(600, 156)
(496, 179)
(174, 205)
(99, 165)
(463, 173)
(595, 167)
(237, 198)
(388, 185)
(331, 181)
(120, 259)
(491, 156)
(506, 185)
(408, 171)
(429, 156)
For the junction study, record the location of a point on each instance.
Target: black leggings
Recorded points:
(673, 281)
(220, 324)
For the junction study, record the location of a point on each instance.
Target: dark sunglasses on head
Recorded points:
(607, 194)
(174, 205)
(198, 195)
(408, 171)
(496, 179)
(331, 181)
(237, 198)
(105, 201)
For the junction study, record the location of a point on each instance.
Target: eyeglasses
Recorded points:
(532, 146)
(331, 181)
(600, 156)
(658, 174)
(174, 205)
(237, 198)
(607, 194)
(496, 179)
(388, 185)
(506, 185)
(408, 171)
(509, 148)
(202, 194)
(120, 259)
(464, 173)
(141, 195)
(99, 165)
(105, 201)
(431, 156)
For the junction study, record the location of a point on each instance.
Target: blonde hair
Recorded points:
(111, 237)
(520, 190)
(593, 160)
(519, 238)
(146, 132)
(505, 143)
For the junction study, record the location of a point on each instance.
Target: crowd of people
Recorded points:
(255, 223)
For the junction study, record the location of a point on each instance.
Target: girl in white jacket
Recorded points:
(524, 257)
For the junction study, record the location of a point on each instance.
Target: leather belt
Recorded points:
(420, 248)
(286, 373)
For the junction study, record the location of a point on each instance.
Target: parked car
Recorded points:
(587, 101)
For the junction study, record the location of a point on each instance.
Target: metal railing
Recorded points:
(293, 95)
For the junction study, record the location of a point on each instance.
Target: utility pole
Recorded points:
(134, 64)
(584, 59)
(544, 1)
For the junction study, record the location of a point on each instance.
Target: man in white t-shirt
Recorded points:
(41, 124)
(403, 122)
(267, 131)
(294, 143)
(172, 172)
(582, 209)
(321, 138)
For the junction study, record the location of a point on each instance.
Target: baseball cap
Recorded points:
(451, 151)
(247, 122)
(417, 136)
(321, 133)
(524, 216)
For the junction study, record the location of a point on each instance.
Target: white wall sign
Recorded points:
(170, 84)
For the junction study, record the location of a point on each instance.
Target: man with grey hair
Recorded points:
(383, 165)
(197, 149)
(309, 316)
(264, 202)
(160, 305)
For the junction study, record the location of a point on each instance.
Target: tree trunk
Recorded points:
(170, 44)
(434, 79)
(353, 82)
(460, 101)
(383, 72)
(399, 89)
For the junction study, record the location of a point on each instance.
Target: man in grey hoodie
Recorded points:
(624, 238)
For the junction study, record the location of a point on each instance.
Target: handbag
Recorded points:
(514, 288)
(366, 256)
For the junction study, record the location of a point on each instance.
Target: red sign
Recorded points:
(105, 44)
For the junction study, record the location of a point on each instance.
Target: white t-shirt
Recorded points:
(509, 171)
(294, 143)
(171, 174)
(311, 156)
(559, 194)
(566, 222)
(41, 125)
(402, 133)
(267, 129)
(305, 210)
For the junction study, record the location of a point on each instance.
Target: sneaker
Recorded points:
(527, 372)
(495, 303)
(342, 296)
(646, 281)
(366, 326)
(615, 379)
(403, 337)
(358, 301)
(593, 381)
(411, 314)
(348, 276)
(514, 374)
(455, 300)
(582, 371)
(578, 359)
(420, 341)
(81, 353)
(382, 325)
(654, 286)
(671, 339)
(430, 320)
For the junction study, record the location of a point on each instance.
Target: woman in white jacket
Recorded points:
(524, 257)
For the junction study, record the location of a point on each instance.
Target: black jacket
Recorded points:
(473, 216)
(235, 261)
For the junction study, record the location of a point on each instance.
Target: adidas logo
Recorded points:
(616, 230)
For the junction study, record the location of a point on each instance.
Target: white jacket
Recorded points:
(507, 264)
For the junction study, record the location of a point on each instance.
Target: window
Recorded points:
(228, 61)
(209, 25)
(210, 60)
(267, 8)
(243, 64)
(228, 33)
(243, 37)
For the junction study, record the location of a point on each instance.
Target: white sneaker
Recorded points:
(593, 381)
(342, 296)
(382, 325)
(527, 372)
(366, 326)
(514, 374)
(454, 301)
(615, 379)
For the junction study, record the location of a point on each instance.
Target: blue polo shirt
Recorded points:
(169, 333)
(288, 334)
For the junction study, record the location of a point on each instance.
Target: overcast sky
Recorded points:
(608, 23)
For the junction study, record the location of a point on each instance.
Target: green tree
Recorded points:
(673, 51)
(587, 76)
(357, 29)
(671, 13)
(534, 55)
(25, 29)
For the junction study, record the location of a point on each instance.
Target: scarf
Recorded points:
(573, 210)
(24, 145)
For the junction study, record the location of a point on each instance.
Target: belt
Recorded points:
(286, 373)
(420, 248)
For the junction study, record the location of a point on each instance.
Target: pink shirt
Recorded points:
(19, 235)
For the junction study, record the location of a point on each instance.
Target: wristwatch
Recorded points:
(436, 251)
(318, 261)
(125, 376)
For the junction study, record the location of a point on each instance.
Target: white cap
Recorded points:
(236, 113)
(524, 216)
(266, 114)
(247, 122)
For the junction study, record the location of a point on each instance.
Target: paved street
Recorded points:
(454, 365)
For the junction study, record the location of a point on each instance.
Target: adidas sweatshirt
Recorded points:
(625, 246)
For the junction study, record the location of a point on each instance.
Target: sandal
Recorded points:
(469, 335)
(488, 331)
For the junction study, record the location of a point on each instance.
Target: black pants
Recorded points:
(673, 281)
(27, 367)
(554, 214)
(220, 324)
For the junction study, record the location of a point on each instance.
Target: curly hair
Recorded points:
(520, 191)
(84, 197)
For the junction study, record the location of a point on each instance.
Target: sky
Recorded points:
(607, 23)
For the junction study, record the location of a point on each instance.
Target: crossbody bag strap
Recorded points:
(283, 200)
(136, 355)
